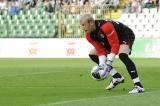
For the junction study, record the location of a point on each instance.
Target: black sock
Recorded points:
(94, 58)
(117, 75)
(138, 84)
(114, 73)
(129, 65)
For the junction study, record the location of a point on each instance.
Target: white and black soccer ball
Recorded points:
(94, 73)
(98, 73)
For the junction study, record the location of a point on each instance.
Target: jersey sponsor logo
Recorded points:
(102, 35)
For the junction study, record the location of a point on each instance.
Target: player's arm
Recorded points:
(113, 40)
(102, 53)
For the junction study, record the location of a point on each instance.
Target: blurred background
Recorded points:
(60, 19)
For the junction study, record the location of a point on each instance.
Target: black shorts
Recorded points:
(127, 38)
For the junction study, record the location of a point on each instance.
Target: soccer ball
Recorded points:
(98, 73)
(94, 73)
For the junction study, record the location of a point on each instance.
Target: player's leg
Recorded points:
(130, 66)
(116, 79)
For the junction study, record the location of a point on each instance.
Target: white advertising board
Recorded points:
(44, 48)
(67, 48)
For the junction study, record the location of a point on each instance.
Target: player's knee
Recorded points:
(94, 58)
(93, 52)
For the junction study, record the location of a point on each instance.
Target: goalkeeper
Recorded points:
(111, 38)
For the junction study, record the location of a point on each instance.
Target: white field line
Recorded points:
(86, 99)
(28, 74)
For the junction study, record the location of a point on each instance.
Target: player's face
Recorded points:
(87, 26)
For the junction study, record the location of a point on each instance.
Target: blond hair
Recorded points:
(86, 17)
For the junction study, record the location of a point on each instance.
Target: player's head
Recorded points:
(87, 22)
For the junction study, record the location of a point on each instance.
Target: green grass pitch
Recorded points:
(67, 82)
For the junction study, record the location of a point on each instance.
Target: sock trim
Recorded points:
(113, 72)
(135, 80)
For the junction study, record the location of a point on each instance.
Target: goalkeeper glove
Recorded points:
(108, 67)
(110, 58)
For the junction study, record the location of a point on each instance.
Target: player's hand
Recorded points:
(108, 67)
(101, 67)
